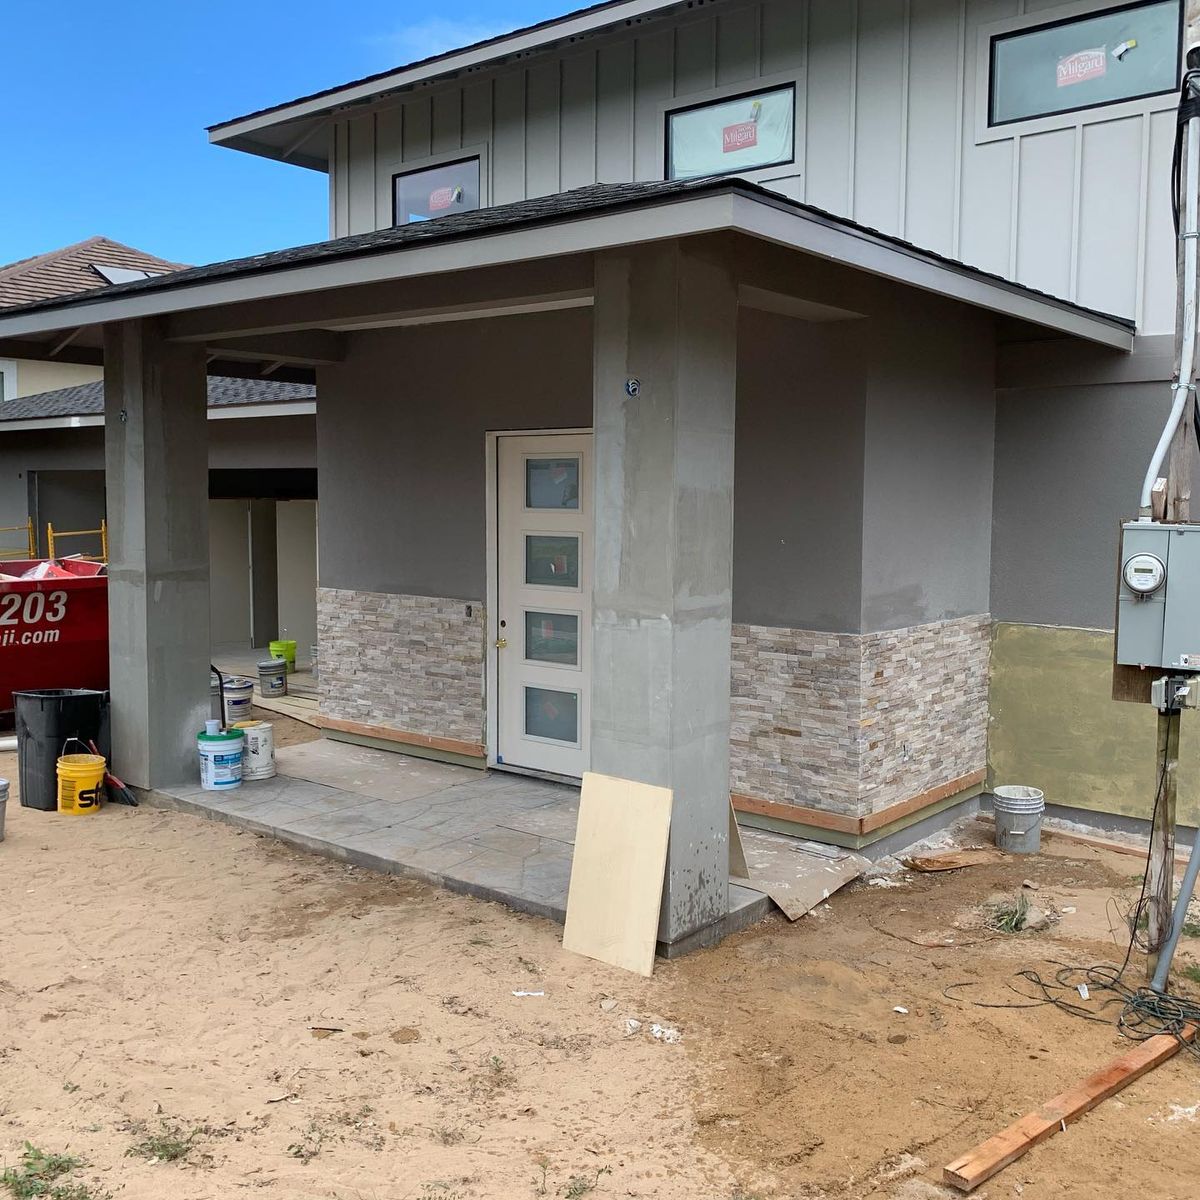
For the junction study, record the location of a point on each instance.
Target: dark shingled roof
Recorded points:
(87, 399)
(68, 271)
(594, 200)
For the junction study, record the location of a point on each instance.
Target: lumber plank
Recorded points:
(988, 1158)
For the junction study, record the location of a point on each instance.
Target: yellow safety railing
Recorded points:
(28, 550)
(53, 537)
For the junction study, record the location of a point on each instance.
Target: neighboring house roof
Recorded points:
(73, 269)
(799, 225)
(569, 27)
(87, 399)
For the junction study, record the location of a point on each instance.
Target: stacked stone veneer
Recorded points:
(408, 663)
(852, 723)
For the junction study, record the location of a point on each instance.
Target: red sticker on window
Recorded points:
(739, 137)
(1086, 64)
(444, 198)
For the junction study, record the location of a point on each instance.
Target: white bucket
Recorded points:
(259, 762)
(239, 700)
(1019, 812)
(272, 677)
(221, 756)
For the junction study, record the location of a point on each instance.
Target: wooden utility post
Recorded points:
(1178, 497)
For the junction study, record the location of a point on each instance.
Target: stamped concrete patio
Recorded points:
(495, 836)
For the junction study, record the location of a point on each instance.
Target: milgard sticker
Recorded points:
(739, 137)
(1084, 65)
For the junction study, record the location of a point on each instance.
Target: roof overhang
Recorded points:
(224, 412)
(725, 207)
(289, 131)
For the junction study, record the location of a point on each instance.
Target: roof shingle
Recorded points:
(70, 270)
(87, 399)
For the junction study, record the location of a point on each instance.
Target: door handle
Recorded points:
(502, 643)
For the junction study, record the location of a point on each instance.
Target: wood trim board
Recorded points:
(987, 1159)
(856, 826)
(404, 737)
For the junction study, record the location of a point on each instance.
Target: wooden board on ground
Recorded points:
(955, 860)
(737, 852)
(617, 872)
(798, 875)
(987, 1159)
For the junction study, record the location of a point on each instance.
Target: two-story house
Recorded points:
(736, 396)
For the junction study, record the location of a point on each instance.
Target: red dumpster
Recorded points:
(53, 632)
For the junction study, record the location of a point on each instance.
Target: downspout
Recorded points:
(1184, 386)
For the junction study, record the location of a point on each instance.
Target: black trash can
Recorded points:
(46, 720)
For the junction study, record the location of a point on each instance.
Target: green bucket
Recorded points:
(286, 651)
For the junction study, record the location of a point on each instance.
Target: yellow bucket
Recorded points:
(80, 779)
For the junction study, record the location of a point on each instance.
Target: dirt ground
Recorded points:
(297, 1028)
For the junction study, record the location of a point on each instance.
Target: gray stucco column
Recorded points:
(156, 462)
(666, 316)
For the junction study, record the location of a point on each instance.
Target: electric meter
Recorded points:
(1144, 574)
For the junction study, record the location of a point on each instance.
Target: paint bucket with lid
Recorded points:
(1019, 812)
(272, 677)
(258, 760)
(221, 756)
(3, 805)
(80, 780)
(239, 700)
(285, 650)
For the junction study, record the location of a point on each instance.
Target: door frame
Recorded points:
(491, 662)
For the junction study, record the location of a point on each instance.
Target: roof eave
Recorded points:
(572, 26)
(713, 210)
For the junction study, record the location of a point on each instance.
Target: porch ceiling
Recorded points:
(526, 257)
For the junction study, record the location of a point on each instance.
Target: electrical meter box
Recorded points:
(1158, 612)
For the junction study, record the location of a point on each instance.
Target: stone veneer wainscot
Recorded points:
(854, 723)
(408, 663)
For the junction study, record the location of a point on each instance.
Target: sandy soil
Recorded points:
(318, 1031)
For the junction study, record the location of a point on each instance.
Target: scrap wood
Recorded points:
(955, 860)
(990, 1157)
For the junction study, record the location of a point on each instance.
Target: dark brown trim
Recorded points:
(856, 826)
(447, 745)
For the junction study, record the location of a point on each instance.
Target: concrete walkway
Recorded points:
(496, 836)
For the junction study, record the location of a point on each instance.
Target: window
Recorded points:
(432, 192)
(1125, 53)
(8, 380)
(725, 137)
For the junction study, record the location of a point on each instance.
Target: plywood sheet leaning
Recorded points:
(798, 875)
(737, 851)
(617, 872)
(979, 1165)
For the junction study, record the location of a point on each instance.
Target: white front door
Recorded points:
(544, 601)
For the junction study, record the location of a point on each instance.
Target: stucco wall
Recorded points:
(927, 504)
(402, 426)
(35, 377)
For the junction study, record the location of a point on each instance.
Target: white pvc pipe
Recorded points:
(1183, 386)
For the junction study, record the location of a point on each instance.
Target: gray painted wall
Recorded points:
(927, 503)
(401, 428)
(1069, 468)
(888, 133)
(798, 528)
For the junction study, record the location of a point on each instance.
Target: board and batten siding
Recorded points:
(887, 134)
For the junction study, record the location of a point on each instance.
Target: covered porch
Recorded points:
(809, 632)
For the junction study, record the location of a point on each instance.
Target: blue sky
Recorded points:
(103, 112)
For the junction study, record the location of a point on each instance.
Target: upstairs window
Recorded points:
(1125, 53)
(729, 137)
(431, 192)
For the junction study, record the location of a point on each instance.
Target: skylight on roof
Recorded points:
(121, 274)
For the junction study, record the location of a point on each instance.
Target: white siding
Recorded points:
(886, 134)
